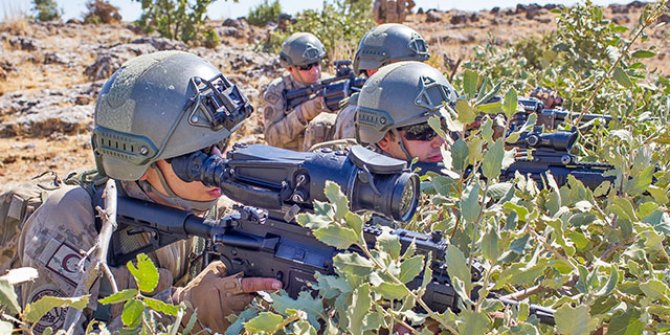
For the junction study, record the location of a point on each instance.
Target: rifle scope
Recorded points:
(559, 141)
(276, 179)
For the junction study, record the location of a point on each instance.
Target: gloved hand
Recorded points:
(311, 108)
(215, 295)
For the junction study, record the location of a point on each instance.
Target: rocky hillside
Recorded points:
(50, 73)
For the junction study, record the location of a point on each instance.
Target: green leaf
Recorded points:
(264, 323)
(36, 310)
(655, 289)
(622, 78)
(391, 291)
(640, 182)
(132, 313)
(353, 263)
(490, 246)
(335, 236)
(628, 323)
(160, 306)
(470, 81)
(360, 307)
(611, 283)
(436, 123)
(303, 327)
(305, 302)
(335, 196)
(458, 267)
(575, 321)
(237, 326)
(469, 204)
(643, 54)
(510, 103)
(8, 297)
(493, 160)
(146, 273)
(355, 222)
(459, 155)
(411, 268)
(118, 297)
(473, 322)
(466, 113)
(389, 243)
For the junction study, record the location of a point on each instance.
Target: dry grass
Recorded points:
(16, 20)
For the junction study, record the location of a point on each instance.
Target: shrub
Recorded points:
(264, 13)
(340, 26)
(184, 20)
(46, 10)
(101, 11)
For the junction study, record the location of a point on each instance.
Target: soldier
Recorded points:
(394, 107)
(301, 56)
(391, 11)
(382, 45)
(154, 108)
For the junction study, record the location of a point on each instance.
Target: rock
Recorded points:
(459, 17)
(544, 20)
(232, 23)
(621, 19)
(664, 18)
(619, 9)
(75, 21)
(81, 100)
(230, 32)
(420, 11)
(474, 17)
(55, 58)
(110, 60)
(495, 10)
(67, 120)
(552, 6)
(23, 43)
(161, 43)
(637, 4)
(433, 16)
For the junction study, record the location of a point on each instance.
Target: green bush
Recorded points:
(264, 13)
(101, 11)
(46, 10)
(339, 25)
(183, 20)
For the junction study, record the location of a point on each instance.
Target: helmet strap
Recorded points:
(172, 198)
(396, 134)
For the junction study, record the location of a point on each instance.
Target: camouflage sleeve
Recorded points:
(281, 127)
(344, 125)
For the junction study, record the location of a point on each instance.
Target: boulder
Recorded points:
(433, 16)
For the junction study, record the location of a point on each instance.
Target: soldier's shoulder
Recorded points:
(68, 198)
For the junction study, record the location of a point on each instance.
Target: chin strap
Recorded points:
(396, 134)
(172, 198)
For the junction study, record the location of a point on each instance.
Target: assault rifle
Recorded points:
(267, 242)
(550, 118)
(333, 89)
(539, 153)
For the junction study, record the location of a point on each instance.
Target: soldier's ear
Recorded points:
(385, 142)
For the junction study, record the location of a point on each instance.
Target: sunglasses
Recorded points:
(421, 131)
(307, 67)
(207, 151)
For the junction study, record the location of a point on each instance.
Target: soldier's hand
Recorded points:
(311, 108)
(215, 295)
(550, 98)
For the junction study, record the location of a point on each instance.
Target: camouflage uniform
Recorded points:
(55, 237)
(391, 11)
(287, 128)
(345, 124)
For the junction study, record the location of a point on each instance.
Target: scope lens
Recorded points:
(409, 197)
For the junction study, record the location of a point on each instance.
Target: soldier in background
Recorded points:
(301, 56)
(382, 45)
(391, 11)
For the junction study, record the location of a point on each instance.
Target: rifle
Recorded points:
(550, 118)
(267, 242)
(333, 89)
(540, 153)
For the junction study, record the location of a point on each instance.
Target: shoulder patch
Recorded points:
(53, 318)
(272, 97)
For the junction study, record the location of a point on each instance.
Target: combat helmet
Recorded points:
(301, 49)
(399, 95)
(159, 106)
(388, 43)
